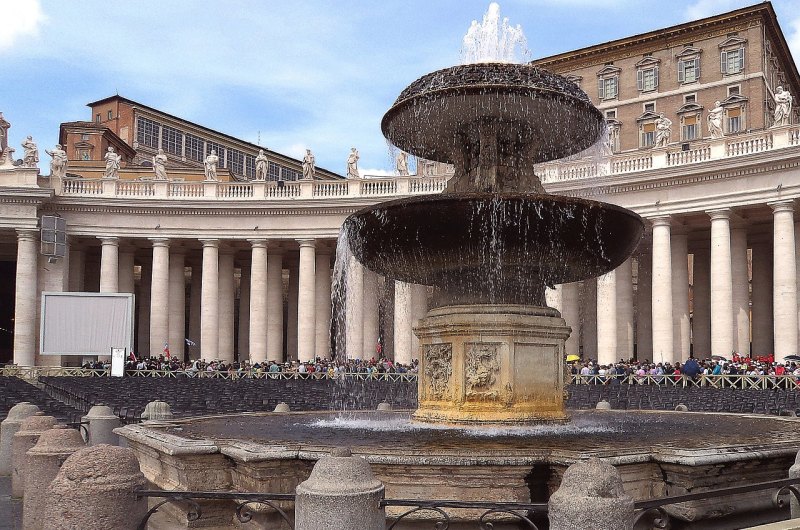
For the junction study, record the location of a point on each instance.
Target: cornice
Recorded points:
(195, 210)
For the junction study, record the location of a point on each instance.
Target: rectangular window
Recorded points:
(607, 87)
(611, 114)
(650, 107)
(648, 134)
(734, 120)
(249, 166)
(647, 80)
(110, 114)
(214, 146)
(289, 173)
(194, 148)
(171, 140)
(147, 132)
(97, 118)
(273, 171)
(690, 98)
(732, 61)
(733, 90)
(689, 131)
(689, 70)
(236, 162)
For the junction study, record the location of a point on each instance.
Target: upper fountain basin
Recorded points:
(549, 116)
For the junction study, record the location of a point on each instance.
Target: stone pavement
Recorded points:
(10, 510)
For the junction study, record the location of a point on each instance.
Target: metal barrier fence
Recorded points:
(758, 382)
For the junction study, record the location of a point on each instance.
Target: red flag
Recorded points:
(166, 350)
(132, 356)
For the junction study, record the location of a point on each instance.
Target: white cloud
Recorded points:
(369, 172)
(793, 38)
(20, 18)
(707, 8)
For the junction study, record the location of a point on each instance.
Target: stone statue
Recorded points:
(211, 166)
(30, 158)
(715, 121)
(352, 164)
(663, 131)
(160, 165)
(309, 165)
(783, 107)
(262, 163)
(4, 127)
(113, 161)
(401, 163)
(58, 164)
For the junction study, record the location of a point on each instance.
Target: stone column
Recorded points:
(591, 495)
(341, 493)
(258, 301)
(195, 299)
(663, 336)
(78, 499)
(607, 318)
(44, 461)
(402, 323)
(644, 306)
(126, 283)
(109, 264)
(681, 327)
(701, 321)
(25, 438)
(721, 287)
(177, 303)
(354, 318)
(784, 280)
(291, 312)
(26, 298)
(306, 297)
(371, 314)
(243, 343)
(589, 319)
(227, 304)
(8, 428)
(570, 312)
(419, 308)
(209, 303)
(143, 303)
(740, 294)
(77, 268)
(762, 299)
(275, 305)
(387, 317)
(159, 296)
(322, 292)
(54, 277)
(624, 277)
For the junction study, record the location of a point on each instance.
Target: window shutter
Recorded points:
(741, 58)
(614, 87)
(697, 68)
(639, 79)
(601, 88)
(681, 66)
(723, 62)
(655, 77)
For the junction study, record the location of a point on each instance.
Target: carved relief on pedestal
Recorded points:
(438, 368)
(481, 371)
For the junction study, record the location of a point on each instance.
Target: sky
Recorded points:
(287, 75)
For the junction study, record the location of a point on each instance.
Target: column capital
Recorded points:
(159, 241)
(782, 206)
(26, 234)
(720, 214)
(213, 243)
(109, 240)
(307, 243)
(258, 243)
(664, 220)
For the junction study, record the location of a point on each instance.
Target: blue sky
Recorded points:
(297, 74)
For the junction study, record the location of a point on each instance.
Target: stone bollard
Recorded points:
(25, 438)
(384, 406)
(680, 407)
(341, 493)
(603, 405)
(8, 428)
(157, 411)
(281, 407)
(44, 460)
(102, 422)
(794, 472)
(591, 496)
(96, 490)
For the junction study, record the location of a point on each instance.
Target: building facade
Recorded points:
(245, 269)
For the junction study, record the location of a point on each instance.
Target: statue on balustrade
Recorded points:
(30, 157)
(715, 121)
(783, 107)
(663, 131)
(352, 164)
(309, 165)
(160, 165)
(113, 161)
(4, 127)
(58, 164)
(401, 163)
(262, 163)
(211, 165)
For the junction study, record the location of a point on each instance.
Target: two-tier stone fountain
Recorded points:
(491, 350)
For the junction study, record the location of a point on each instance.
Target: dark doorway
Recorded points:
(8, 275)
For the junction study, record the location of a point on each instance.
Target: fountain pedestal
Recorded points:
(492, 364)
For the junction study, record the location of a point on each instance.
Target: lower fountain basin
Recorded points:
(493, 247)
